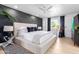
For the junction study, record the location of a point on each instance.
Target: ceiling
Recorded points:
(46, 10)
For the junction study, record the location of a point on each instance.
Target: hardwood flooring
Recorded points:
(62, 45)
(1, 51)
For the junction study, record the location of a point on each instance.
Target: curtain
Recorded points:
(61, 32)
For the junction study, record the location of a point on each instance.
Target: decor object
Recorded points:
(39, 28)
(55, 26)
(9, 36)
(8, 28)
(73, 24)
(77, 27)
(75, 30)
(16, 49)
(5, 13)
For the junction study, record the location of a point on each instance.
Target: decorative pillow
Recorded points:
(21, 31)
(35, 28)
(31, 29)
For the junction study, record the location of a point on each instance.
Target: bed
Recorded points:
(37, 41)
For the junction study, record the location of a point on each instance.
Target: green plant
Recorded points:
(55, 25)
(4, 13)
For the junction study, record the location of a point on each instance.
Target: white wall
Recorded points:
(68, 24)
(45, 24)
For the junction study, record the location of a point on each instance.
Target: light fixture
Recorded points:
(33, 17)
(39, 27)
(55, 9)
(8, 28)
(15, 6)
(45, 8)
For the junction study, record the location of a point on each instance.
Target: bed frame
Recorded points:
(38, 49)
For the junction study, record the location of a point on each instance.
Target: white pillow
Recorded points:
(21, 31)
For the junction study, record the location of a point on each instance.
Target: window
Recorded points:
(55, 24)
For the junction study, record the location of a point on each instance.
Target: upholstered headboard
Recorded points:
(18, 25)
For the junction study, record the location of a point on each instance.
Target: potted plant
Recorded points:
(11, 18)
(55, 26)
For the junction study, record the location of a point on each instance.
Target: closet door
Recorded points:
(68, 24)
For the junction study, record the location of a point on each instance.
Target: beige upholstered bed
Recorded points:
(35, 48)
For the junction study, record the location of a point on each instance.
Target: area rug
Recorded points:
(15, 49)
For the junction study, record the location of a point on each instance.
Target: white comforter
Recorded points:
(37, 37)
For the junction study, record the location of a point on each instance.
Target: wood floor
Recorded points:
(62, 45)
(1, 51)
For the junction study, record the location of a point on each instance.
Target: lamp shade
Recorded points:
(8, 28)
(39, 27)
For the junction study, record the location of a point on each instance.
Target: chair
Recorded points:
(7, 36)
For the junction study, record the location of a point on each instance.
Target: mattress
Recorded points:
(37, 37)
(35, 48)
(26, 40)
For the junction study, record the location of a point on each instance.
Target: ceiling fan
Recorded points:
(45, 8)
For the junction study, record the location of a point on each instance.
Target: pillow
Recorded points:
(21, 31)
(31, 29)
(35, 28)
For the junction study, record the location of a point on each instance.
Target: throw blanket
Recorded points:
(37, 37)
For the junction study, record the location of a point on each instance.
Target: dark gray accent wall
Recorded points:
(19, 16)
(4, 21)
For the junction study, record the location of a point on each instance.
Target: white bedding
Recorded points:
(36, 37)
(35, 48)
(39, 45)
